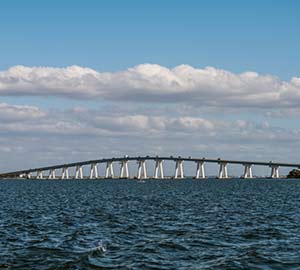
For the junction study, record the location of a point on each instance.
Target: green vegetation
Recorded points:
(294, 174)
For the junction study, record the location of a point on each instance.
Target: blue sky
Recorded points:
(112, 96)
(113, 35)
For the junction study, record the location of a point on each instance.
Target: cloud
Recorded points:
(18, 120)
(154, 84)
(19, 112)
(80, 121)
(31, 136)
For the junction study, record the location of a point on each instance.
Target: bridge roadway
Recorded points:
(142, 171)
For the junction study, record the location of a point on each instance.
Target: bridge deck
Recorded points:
(139, 158)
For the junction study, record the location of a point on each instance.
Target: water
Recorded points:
(162, 224)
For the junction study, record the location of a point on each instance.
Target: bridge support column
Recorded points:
(275, 171)
(65, 173)
(94, 171)
(159, 170)
(124, 171)
(247, 171)
(179, 169)
(29, 176)
(39, 175)
(109, 172)
(200, 172)
(223, 172)
(142, 170)
(52, 174)
(78, 172)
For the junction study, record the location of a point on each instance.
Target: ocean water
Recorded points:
(156, 224)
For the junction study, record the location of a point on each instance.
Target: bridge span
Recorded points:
(62, 171)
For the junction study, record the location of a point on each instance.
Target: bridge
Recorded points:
(62, 171)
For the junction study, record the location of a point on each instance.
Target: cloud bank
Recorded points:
(22, 120)
(147, 109)
(155, 84)
(31, 136)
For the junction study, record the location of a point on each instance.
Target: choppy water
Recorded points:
(162, 224)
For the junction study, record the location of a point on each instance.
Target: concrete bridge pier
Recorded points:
(159, 170)
(109, 171)
(274, 171)
(179, 169)
(247, 171)
(65, 173)
(142, 170)
(52, 174)
(94, 171)
(223, 171)
(78, 172)
(39, 175)
(200, 172)
(124, 171)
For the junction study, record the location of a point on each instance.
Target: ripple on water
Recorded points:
(188, 224)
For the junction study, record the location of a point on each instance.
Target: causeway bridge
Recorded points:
(64, 171)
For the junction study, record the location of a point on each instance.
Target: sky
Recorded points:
(89, 79)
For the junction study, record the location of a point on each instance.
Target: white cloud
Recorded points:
(154, 83)
(30, 136)
(80, 121)
(19, 112)
(18, 119)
